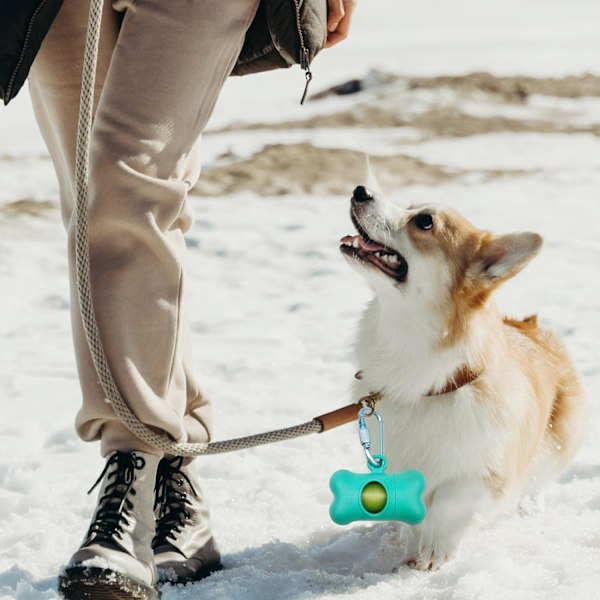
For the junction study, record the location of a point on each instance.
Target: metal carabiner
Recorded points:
(365, 436)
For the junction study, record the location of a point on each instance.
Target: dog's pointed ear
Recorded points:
(502, 257)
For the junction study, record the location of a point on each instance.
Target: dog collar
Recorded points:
(462, 376)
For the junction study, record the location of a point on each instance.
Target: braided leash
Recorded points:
(162, 442)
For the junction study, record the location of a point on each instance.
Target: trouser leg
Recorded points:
(55, 86)
(167, 68)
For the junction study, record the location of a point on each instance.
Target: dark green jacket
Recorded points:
(23, 26)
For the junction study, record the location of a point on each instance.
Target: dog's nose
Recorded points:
(362, 194)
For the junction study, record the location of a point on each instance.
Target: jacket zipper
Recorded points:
(304, 54)
(33, 17)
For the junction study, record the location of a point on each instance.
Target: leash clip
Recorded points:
(370, 400)
(364, 435)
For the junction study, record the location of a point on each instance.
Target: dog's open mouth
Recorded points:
(362, 248)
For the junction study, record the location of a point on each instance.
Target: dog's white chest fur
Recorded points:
(445, 437)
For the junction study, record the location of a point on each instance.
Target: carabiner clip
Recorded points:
(365, 436)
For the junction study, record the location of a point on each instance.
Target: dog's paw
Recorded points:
(531, 505)
(428, 560)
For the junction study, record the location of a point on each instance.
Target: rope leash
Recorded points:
(82, 264)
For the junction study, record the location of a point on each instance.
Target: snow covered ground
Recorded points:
(275, 305)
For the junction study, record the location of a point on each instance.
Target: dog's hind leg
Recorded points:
(564, 433)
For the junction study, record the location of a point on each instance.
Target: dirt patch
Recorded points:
(31, 208)
(448, 122)
(444, 117)
(359, 116)
(306, 169)
(515, 88)
(510, 88)
(281, 169)
(436, 122)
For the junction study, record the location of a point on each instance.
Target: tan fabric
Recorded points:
(161, 67)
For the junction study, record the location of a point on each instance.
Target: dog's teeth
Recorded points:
(355, 243)
(378, 254)
(393, 258)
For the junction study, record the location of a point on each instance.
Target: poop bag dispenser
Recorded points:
(377, 495)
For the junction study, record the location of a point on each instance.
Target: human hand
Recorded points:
(339, 17)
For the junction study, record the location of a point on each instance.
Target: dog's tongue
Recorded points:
(367, 246)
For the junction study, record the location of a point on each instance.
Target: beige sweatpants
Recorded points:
(161, 66)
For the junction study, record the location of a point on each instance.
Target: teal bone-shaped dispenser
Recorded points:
(376, 496)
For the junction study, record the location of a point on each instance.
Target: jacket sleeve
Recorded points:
(23, 26)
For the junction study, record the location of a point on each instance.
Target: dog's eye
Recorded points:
(424, 221)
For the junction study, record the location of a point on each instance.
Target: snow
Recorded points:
(273, 337)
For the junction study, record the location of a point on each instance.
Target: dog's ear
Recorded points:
(502, 257)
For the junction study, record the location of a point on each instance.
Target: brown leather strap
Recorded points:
(462, 376)
(338, 417)
(349, 413)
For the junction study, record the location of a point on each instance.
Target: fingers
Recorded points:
(335, 13)
(339, 27)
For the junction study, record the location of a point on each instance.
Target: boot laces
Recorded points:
(171, 500)
(114, 506)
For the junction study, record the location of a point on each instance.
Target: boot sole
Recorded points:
(167, 575)
(94, 583)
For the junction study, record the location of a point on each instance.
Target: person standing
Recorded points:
(161, 66)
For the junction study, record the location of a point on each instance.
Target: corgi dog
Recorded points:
(486, 407)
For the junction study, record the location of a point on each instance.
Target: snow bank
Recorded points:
(275, 309)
